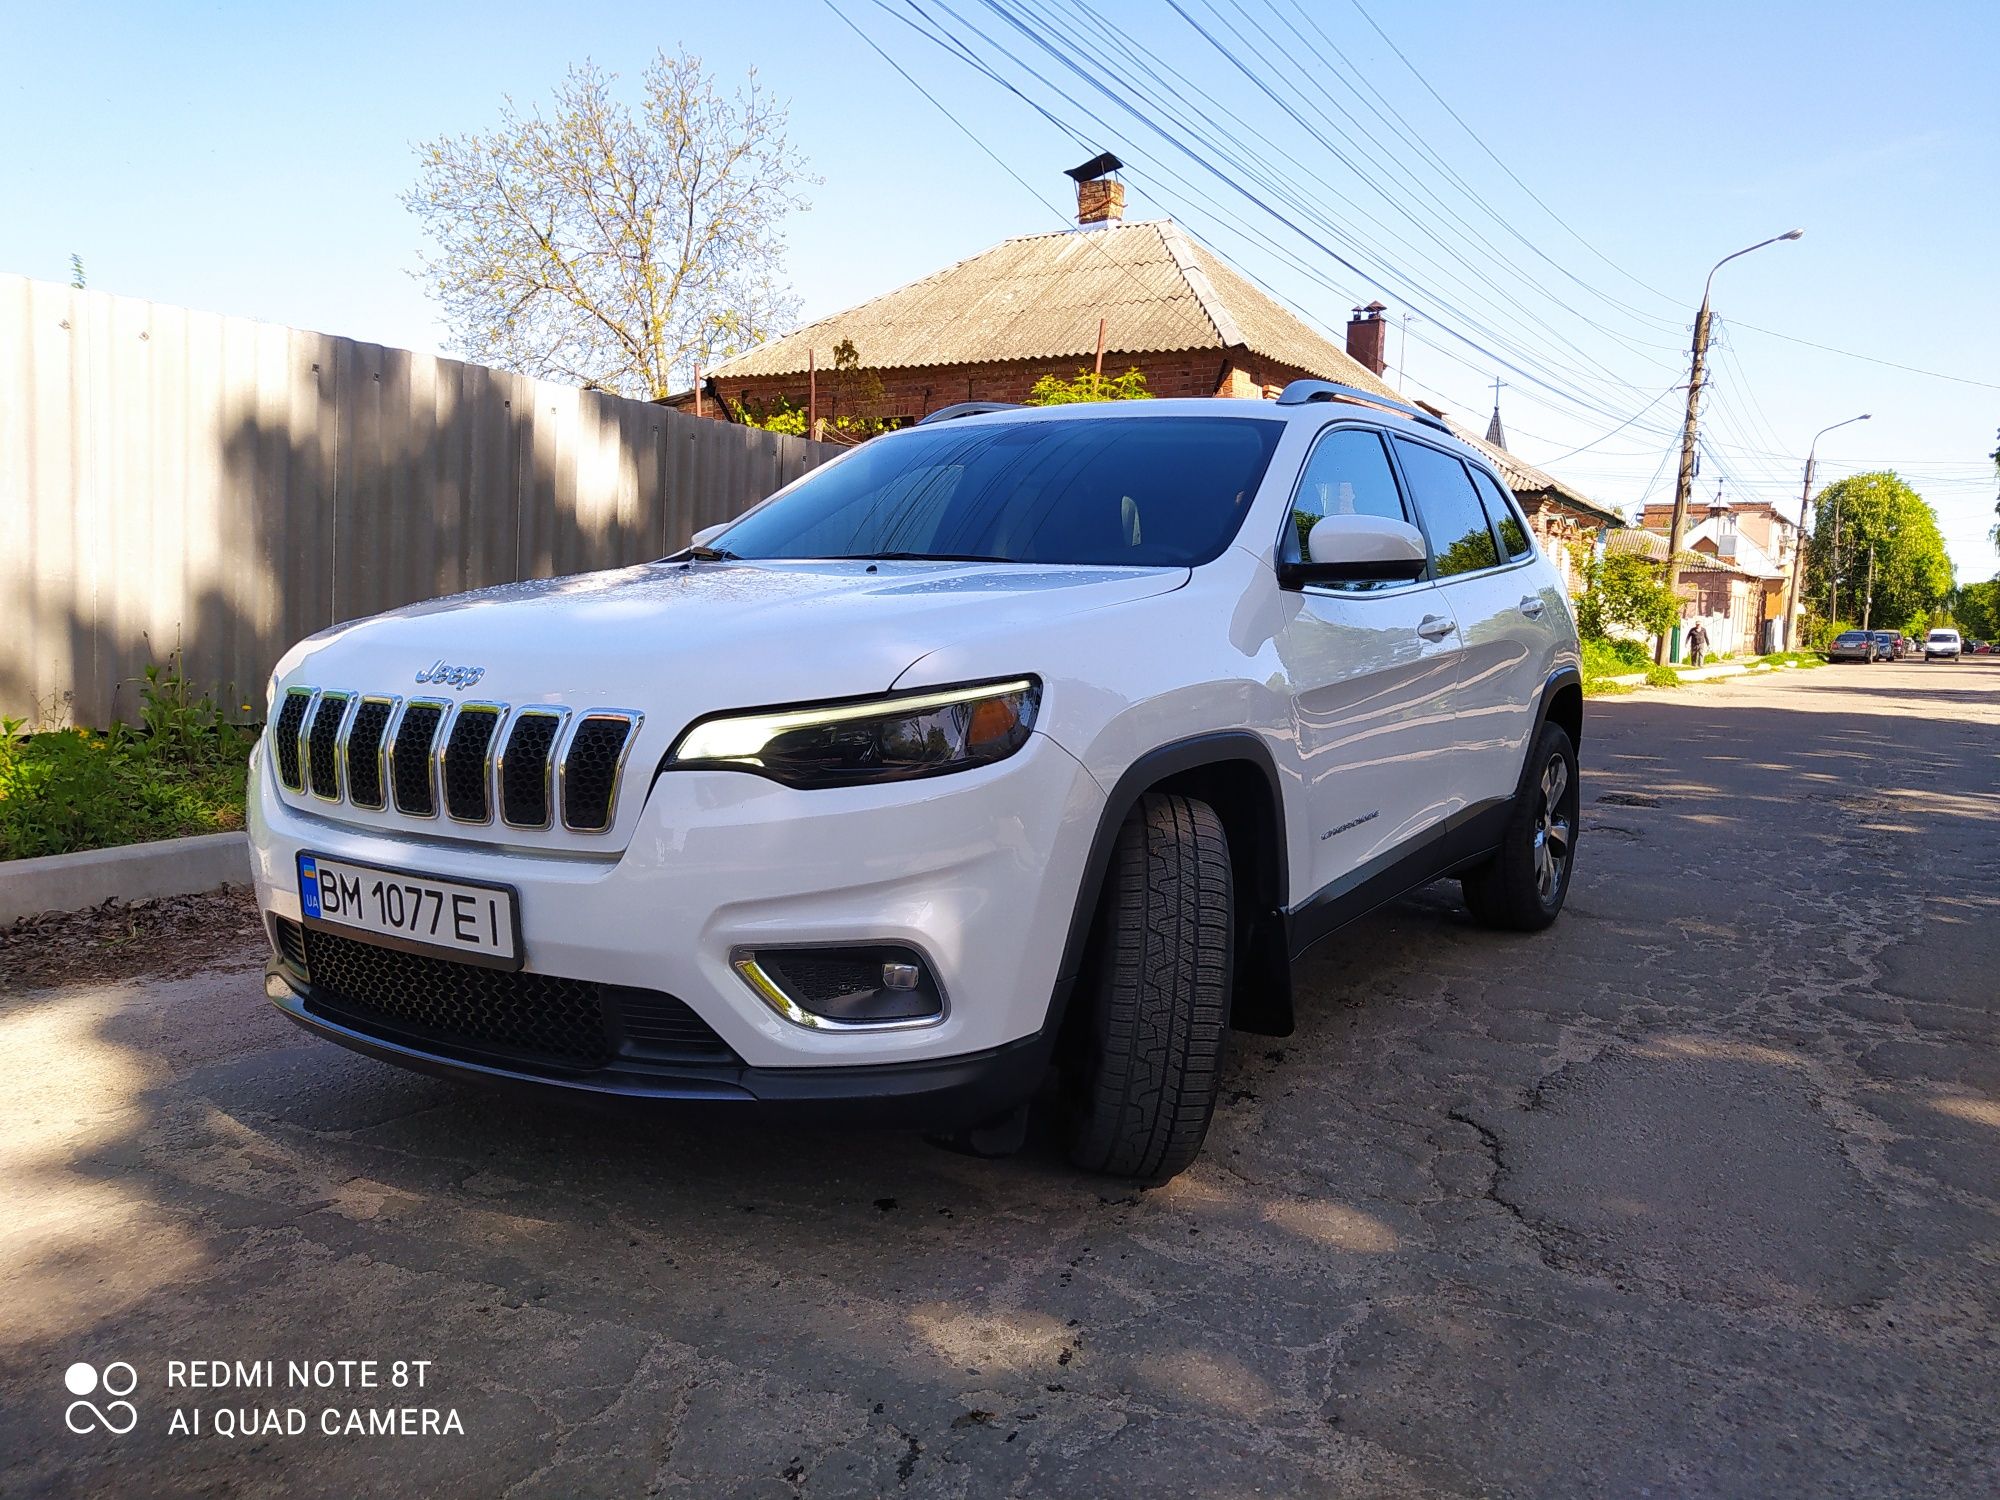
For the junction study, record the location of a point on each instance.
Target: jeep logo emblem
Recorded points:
(458, 677)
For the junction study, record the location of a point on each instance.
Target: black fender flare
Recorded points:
(1555, 682)
(1261, 929)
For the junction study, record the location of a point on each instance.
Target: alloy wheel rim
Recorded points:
(1553, 831)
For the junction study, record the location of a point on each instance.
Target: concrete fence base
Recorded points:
(136, 872)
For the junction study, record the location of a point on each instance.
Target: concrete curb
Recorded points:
(136, 872)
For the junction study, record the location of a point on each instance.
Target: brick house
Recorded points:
(1755, 539)
(989, 327)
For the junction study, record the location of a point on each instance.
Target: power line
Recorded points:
(1573, 234)
(1870, 358)
(1517, 365)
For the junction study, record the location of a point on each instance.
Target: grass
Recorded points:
(181, 771)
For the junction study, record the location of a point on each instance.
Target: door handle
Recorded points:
(1435, 627)
(1532, 607)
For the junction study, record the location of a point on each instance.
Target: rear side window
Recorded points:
(1501, 511)
(1347, 475)
(1461, 538)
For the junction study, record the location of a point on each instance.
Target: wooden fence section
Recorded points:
(175, 480)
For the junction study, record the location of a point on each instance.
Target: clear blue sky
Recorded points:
(248, 159)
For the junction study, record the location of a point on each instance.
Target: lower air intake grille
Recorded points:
(539, 1018)
(322, 745)
(557, 1020)
(415, 792)
(590, 771)
(364, 752)
(467, 760)
(285, 736)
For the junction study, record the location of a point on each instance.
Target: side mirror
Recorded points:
(1358, 549)
(708, 534)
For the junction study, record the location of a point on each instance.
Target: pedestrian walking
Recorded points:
(1698, 642)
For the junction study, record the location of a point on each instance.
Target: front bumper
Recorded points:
(979, 872)
(944, 1094)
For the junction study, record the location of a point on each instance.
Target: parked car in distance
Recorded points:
(1942, 644)
(1016, 747)
(1887, 643)
(1852, 645)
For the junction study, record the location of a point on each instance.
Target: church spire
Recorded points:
(1495, 433)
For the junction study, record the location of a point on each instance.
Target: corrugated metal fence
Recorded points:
(175, 480)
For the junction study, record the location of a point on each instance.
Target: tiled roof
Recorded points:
(1039, 298)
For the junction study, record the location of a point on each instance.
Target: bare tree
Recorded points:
(608, 246)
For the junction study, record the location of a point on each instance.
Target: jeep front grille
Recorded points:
(539, 766)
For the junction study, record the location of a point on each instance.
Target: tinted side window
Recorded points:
(1501, 511)
(1348, 474)
(1461, 540)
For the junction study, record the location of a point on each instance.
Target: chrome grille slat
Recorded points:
(465, 761)
(322, 742)
(526, 768)
(537, 768)
(591, 765)
(287, 729)
(410, 760)
(361, 757)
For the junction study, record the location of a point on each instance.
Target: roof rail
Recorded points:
(1300, 392)
(967, 409)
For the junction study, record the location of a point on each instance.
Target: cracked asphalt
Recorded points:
(1694, 1195)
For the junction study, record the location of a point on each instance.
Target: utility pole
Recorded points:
(1796, 596)
(1833, 570)
(1868, 599)
(1684, 480)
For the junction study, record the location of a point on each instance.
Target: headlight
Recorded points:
(878, 739)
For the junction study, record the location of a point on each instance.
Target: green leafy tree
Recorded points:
(613, 246)
(1053, 390)
(1912, 571)
(1975, 607)
(1625, 592)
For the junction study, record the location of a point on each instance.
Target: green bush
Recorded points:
(182, 771)
(1610, 656)
(1658, 675)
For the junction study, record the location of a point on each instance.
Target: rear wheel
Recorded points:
(1523, 886)
(1147, 1060)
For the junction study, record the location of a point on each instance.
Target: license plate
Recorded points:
(467, 920)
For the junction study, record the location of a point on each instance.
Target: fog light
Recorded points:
(869, 986)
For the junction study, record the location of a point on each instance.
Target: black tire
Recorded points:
(1523, 886)
(1147, 1056)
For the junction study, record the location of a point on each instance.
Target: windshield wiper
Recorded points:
(712, 554)
(917, 557)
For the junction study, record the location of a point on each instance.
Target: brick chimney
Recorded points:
(1100, 197)
(1367, 337)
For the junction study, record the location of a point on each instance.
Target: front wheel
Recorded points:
(1523, 886)
(1146, 1061)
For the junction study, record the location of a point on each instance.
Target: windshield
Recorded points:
(1850, 637)
(1944, 635)
(1118, 491)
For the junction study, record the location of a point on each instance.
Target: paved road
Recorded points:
(1694, 1196)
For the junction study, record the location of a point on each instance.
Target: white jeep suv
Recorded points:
(1021, 747)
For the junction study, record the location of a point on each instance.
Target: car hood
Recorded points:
(677, 640)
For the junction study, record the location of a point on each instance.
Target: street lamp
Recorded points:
(1684, 481)
(1799, 543)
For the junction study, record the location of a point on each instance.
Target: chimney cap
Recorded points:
(1098, 166)
(1377, 308)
